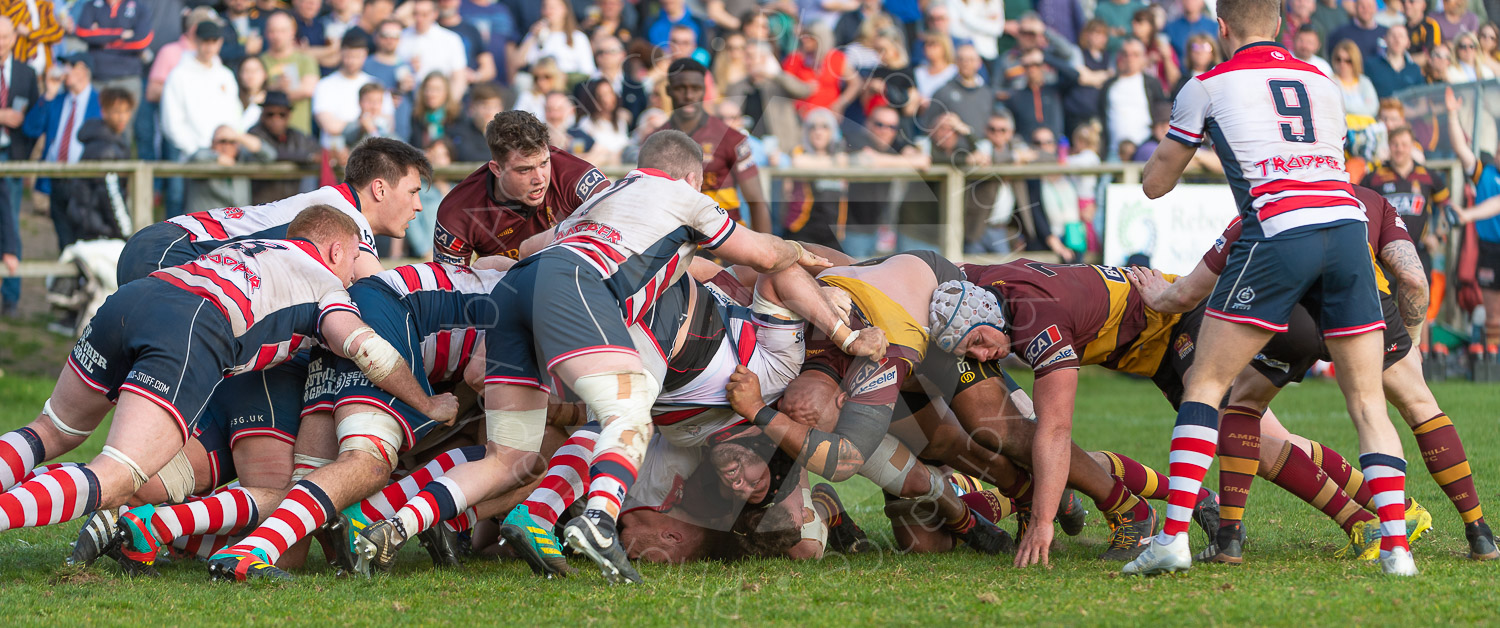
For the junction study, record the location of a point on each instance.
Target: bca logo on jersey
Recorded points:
(1041, 343)
(589, 183)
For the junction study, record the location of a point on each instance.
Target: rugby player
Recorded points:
(1277, 125)
(526, 188)
(727, 164)
(432, 317)
(253, 303)
(623, 249)
(1485, 216)
(1289, 356)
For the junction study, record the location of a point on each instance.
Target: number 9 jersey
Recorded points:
(1277, 125)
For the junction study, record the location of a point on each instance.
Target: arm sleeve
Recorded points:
(1050, 349)
(1440, 192)
(713, 223)
(335, 301)
(1189, 112)
(1392, 228)
(448, 243)
(1215, 258)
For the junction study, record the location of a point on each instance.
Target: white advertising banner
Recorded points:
(1174, 230)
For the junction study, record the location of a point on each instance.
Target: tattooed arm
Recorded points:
(1411, 281)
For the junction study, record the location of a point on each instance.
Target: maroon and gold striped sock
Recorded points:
(1443, 453)
(1239, 459)
(1296, 472)
(1347, 476)
(990, 504)
(1139, 479)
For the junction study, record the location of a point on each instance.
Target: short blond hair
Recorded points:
(1250, 18)
(321, 224)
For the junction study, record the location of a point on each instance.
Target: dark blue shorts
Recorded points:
(552, 308)
(256, 404)
(1329, 271)
(158, 246)
(333, 381)
(160, 342)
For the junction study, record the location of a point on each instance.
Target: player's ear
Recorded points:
(1224, 32)
(379, 189)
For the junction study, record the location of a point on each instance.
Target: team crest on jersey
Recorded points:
(1065, 353)
(234, 213)
(1111, 273)
(1041, 343)
(1183, 346)
(1219, 244)
(589, 183)
(1278, 56)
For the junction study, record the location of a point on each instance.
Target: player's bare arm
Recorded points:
(1051, 454)
(755, 199)
(1412, 295)
(1165, 167)
(1172, 297)
(349, 337)
(799, 439)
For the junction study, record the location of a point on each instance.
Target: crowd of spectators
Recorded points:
(812, 83)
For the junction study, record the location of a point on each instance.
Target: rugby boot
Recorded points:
(1129, 535)
(138, 546)
(1159, 559)
(1228, 546)
(845, 536)
(1364, 541)
(342, 541)
(596, 539)
(1418, 520)
(1398, 562)
(1481, 541)
(986, 538)
(1072, 514)
(534, 544)
(227, 566)
(1206, 513)
(381, 542)
(441, 543)
(98, 537)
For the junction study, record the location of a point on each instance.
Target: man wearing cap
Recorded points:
(65, 106)
(200, 96)
(335, 102)
(290, 144)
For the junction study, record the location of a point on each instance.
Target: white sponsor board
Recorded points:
(1174, 230)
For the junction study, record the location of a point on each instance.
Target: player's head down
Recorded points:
(965, 319)
(335, 235)
(519, 158)
(1246, 20)
(676, 154)
(388, 175)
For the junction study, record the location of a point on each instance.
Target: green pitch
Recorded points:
(1290, 576)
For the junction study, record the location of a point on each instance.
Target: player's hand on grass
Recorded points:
(1035, 545)
(1151, 284)
(744, 392)
(443, 408)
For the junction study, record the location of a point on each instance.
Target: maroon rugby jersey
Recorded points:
(725, 152)
(471, 221)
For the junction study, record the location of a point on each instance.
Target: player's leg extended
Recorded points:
(66, 420)
(1442, 451)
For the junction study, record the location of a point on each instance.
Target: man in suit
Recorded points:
(18, 91)
(65, 107)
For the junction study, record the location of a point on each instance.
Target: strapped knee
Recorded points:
(177, 477)
(516, 429)
(303, 464)
(374, 433)
(889, 465)
(618, 395)
(375, 357)
(137, 475)
(57, 423)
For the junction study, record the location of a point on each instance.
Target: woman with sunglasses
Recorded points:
(1359, 92)
(1489, 46)
(1202, 55)
(1438, 63)
(1466, 66)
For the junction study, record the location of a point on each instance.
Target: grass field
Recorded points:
(1290, 576)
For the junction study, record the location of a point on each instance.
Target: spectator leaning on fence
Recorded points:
(229, 148)
(290, 145)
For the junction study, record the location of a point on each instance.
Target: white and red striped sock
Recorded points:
(563, 482)
(463, 521)
(20, 450)
(440, 500)
(53, 497)
(1386, 476)
(1194, 442)
(223, 512)
(383, 505)
(48, 468)
(305, 509)
(204, 545)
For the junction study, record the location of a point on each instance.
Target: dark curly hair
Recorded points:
(514, 131)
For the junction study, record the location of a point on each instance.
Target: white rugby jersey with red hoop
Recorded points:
(269, 221)
(1277, 125)
(273, 292)
(638, 232)
(442, 299)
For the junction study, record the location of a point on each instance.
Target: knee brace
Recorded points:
(137, 475)
(516, 429)
(813, 526)
(57, 423)
(622, 402)
(889, 465)
(761, 305)
(376, 357)
(374, 433)
(177, 477)
(303, 464)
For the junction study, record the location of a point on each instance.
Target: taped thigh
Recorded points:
(375, 433)
(516, 429)
(303, 464)
(889, 465)
(177, 477)
(57, 422)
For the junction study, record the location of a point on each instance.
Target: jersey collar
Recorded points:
(655, 173)
(349, 194)
(1259, 44)
(516, 207)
